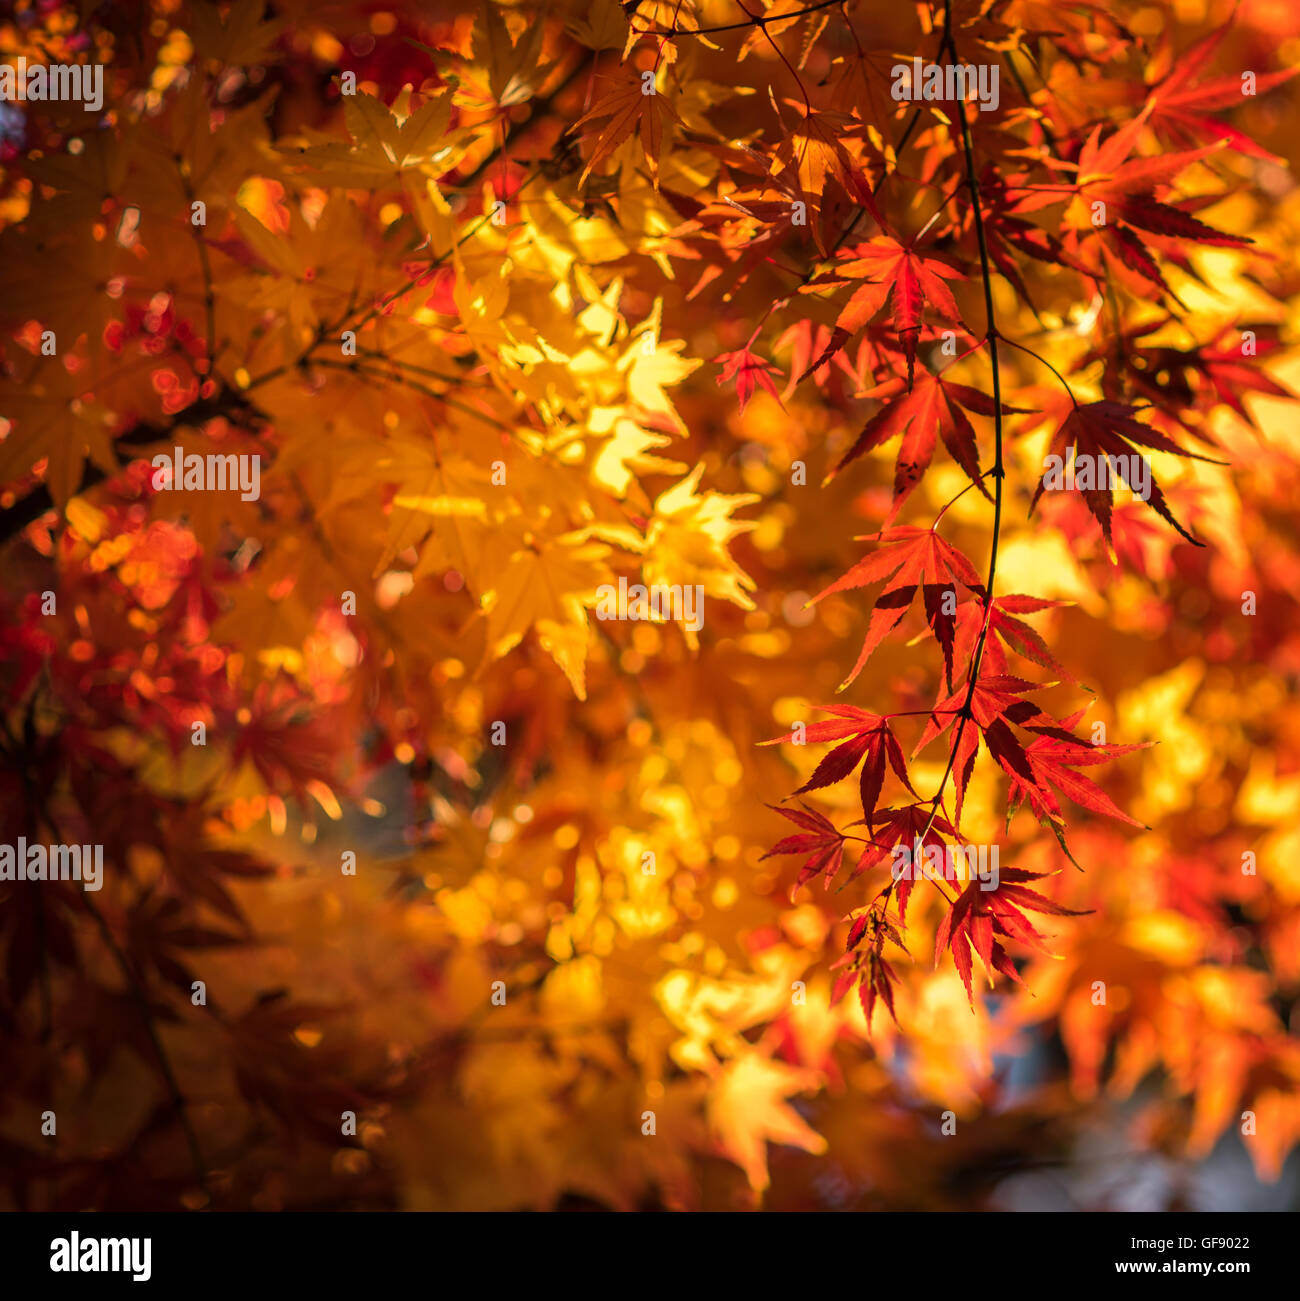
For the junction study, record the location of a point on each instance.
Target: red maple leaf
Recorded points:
(908, 559)
(1102, 429)
(629, 110)
(931, 406)
(874, 977)
(869, 738)
(915, 825)
(891, 272)
(1179, 103)
(1003, 627)
(1052, 761)
(1125, 189)
(823, 844)
(747, 369)
(978, 915)
(994, 705)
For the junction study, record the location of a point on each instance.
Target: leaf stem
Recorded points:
(1030, 352)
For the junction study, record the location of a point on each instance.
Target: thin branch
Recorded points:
(205, 268)
(753, 21)
(997, 471)
(1030, 352)
(358, 368)
(230, 400)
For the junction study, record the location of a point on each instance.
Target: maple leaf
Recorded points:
(549, 584)
(868, 969)
(602, 25)
(53, 422)
(823, 844)
(874, 978)
(895, 273)
(814, 154)
(197, 867)
(977, 916)
(274, 1067)
(747, 369)
(512, 62)
(160, 931)
(820, 351)
(1174, 379)
(385, 149)
(630, 110)
(626, 453)
(994, 703)
(931, 405)
(997, 704)
(869, 739)
(1230, 374)
(1003, 627)
(64, 282)
(908, 560)
(687, 537)
(751, 224)
(446, 496)
(1105, 171)
(288, 743)
(748, 1110)
(649, 372)
(1192, 379)
(875, 924)
(917, 826)
(1051, 761)
(1008, 233)
(1125, 188)
(238, 38)
(1107, 429)
(878, 980)
(1180, 103)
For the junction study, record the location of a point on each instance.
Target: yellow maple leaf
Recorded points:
(387, 147)
(512, 62)
(626, 452)
(687, 536)
(748, 1109)
(549, 584)
(603, 26)
(651, 365)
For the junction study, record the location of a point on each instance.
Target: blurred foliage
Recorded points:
(582, 318)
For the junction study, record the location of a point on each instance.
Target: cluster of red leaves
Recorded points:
(1122, 221)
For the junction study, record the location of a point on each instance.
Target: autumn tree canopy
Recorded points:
(680, 604)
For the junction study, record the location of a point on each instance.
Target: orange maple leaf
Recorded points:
(633, 105)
